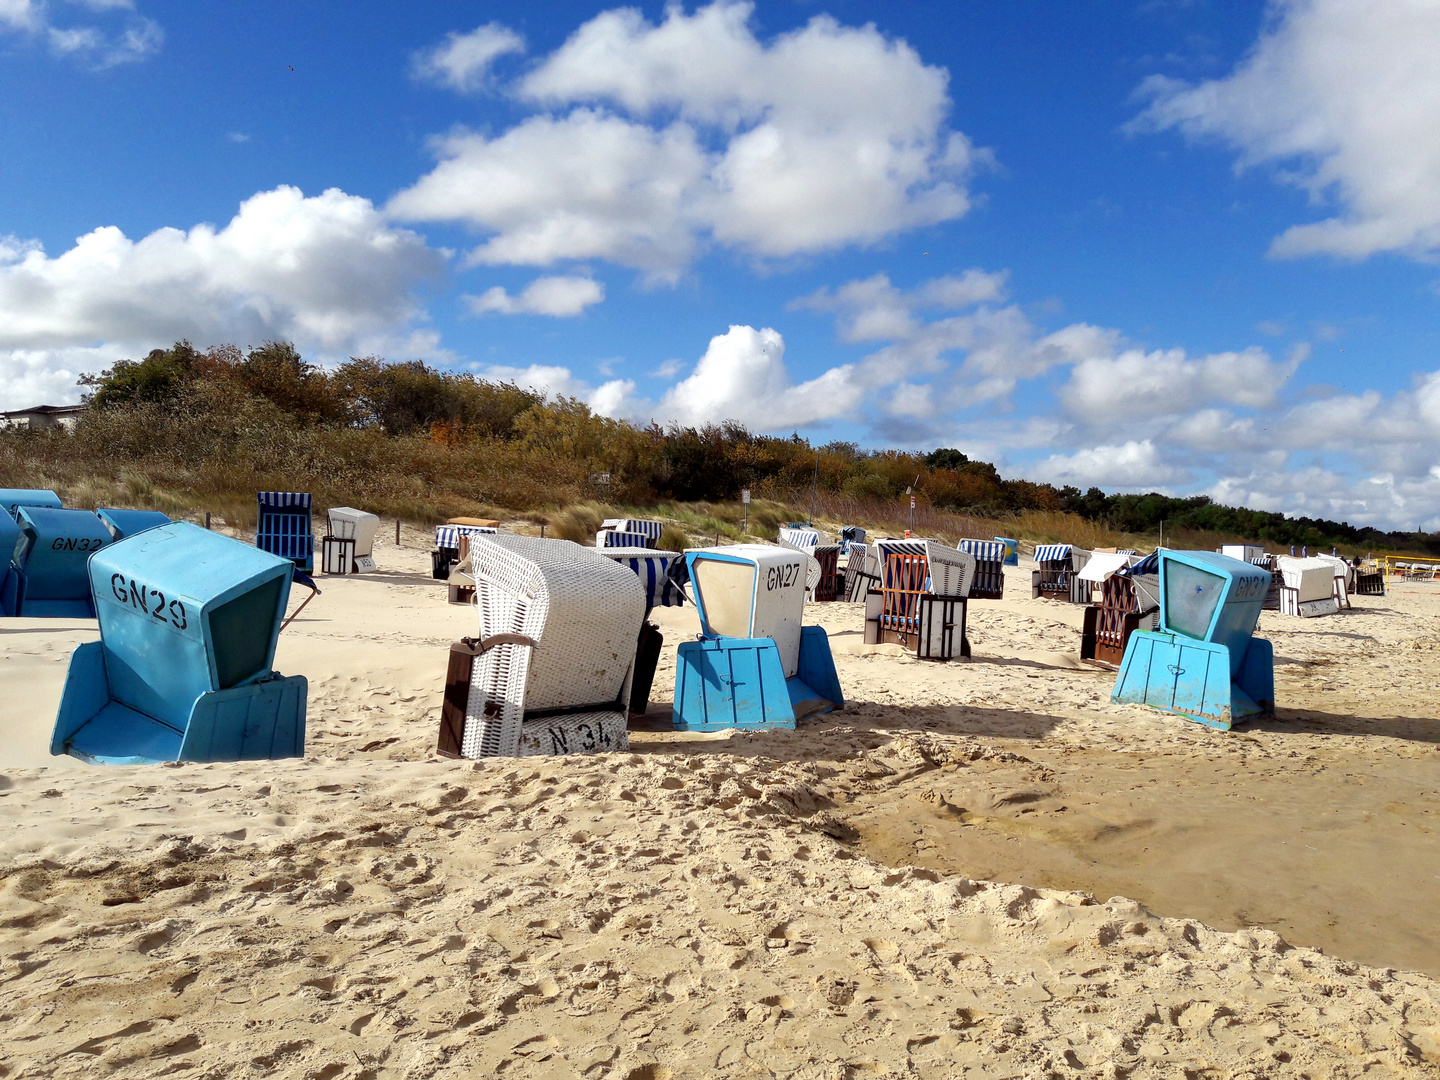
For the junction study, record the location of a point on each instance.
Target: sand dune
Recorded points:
(806, 904)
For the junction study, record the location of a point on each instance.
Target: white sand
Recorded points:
(711, 905)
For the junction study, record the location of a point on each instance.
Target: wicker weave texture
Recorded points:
(582, 609)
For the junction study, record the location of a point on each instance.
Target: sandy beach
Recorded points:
(981, 868)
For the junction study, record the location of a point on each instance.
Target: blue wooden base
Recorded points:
(725, 683)
(257, 721)
(1193, 678)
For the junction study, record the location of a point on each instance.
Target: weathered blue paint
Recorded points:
(50, 562)
(182, 671)
(9, 582)
(125, 523)
(1203, 661)
(730, 683)
(13, 498)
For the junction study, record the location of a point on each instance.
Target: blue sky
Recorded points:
(1178, 246)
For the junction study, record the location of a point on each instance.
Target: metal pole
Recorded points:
(207, 519)
(397, 532)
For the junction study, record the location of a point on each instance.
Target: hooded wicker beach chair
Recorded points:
(629, 533)
(989, 555)
(1369, 580)
(1307, 587)
(862, 572)
(284, 527)
(1129, 601)
(921, 601)
(550, 670)
(1344, 580)
(349, 543)
(1055, 576)
(448, 539)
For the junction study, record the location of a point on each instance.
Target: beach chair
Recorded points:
(629, 532)
(1244, 552)
(755, 665)
(550, 671)
(359, 527)
(1307, 586)
(1369, 580)
(123, 523)
(11, 499)
(862, 573)
(1202, 661)
(1055, 573)
(921, 601)
(447, 543)
(1097, 569)
(284, 528)
(830, 581)
(50, 580)
(989, 555)
(1343, 580)
(652, 567)
(1129, 601)
(9, 581)
(1012, 550)
(182, 670)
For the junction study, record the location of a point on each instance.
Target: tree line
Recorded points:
(224, 387)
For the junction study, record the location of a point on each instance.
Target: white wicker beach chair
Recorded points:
(1307, 586)
(550, 671)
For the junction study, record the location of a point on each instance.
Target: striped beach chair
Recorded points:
(921, 601)
(284, 527)
(989, 558)
(1056, 573)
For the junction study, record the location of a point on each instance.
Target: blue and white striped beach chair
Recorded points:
(284, 527)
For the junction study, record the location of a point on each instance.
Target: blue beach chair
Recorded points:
(284, 527)
(754, 666)
(11, 499)
(49, 565)
(182, 670)
(123, 523)
(1203, 661)
(9, 582)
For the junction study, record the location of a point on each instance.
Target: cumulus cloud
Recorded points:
(1344, 96)
(875, 310)
(1128, 465)
(614, 398)
(659, 138)
(462, 61)
(556, 296)
(1138, 384)
(328, 272)
(98, 46)
(743, 377)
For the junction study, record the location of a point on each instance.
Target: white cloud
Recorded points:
(585, 186)
(1345, 97)
(462, 61)
(327, 272)
(613, 398)
(101, 48)
(1133, 464)
(556, 296)
(661, 137)
(875, 310)
(1137, 385)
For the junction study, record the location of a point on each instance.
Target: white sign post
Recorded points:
(745, 500)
